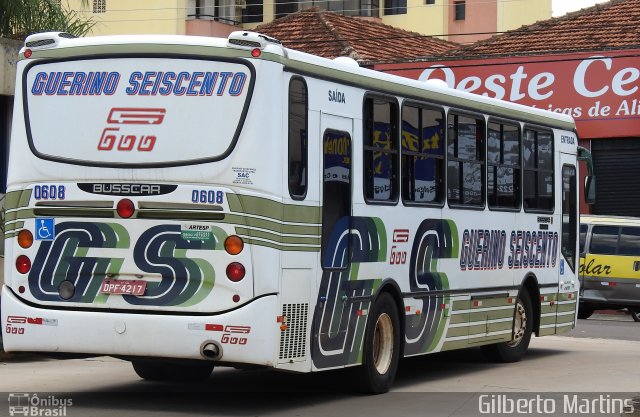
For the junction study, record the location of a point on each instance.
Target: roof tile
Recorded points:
(610, 25)
(330, 35)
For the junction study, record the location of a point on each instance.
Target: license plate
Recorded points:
(123, 286)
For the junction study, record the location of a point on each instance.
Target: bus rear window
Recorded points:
(135, 111)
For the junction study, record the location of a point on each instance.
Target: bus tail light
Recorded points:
(233, 245)
(235, 271)
(125, 208)
(23, 264)
(25, 239)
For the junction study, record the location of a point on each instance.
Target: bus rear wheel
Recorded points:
(381, 347)
(635, 313)
(585, 311)
(163, 371)
(515, 349)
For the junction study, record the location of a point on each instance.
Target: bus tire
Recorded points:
(515, 349)
(161, 371)
(585, 311)
(381, 347)
(635, 313)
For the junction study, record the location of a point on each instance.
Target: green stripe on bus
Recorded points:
(547, 320)
(454, 344)
(17, 199)
(563, 308)
(565, 319)
(299, 240)
(460, 305)
(272, 225)
(500, 326)
(260, 206)
(547, 331)
(459, 318)
(273, 245)
(501, 301)
(19, 215)
(13, 226)
(457, 331)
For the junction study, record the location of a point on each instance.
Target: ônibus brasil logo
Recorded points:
(25, 404)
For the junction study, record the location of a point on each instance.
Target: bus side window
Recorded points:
(380, 150)
(298, 146)
(538, 170)
(503, 166)
(422, 155)
(466, 159)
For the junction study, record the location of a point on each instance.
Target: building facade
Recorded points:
(585, 64)
(455, 20)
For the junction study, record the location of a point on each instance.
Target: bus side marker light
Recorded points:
(235, 298)
(283, 327)
(233, 245)
(21, 289)
(23, 264)
(235, 271)
(281, 319)
(25, 239)
(125, 208)
(418, 312)
(613, 284)
(510, 300)
(256, 52)
(28, 53)
(213, 327)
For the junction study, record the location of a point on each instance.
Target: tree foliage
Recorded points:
(21, 18)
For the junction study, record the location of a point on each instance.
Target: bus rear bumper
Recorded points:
(248, 334)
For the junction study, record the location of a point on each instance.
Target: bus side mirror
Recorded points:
(590, 189)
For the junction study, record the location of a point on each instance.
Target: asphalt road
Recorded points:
(607, 325)
(445, 384)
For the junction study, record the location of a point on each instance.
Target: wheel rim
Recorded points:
(383, 344)
(520, 325)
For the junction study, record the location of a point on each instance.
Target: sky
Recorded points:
(561, 7)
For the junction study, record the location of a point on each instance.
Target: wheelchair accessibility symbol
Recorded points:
(45, 229)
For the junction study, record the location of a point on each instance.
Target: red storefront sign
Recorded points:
(601, 90)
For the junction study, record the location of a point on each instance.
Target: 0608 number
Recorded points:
(49, 192)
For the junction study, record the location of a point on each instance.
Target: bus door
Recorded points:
(333, 311)
(568, 270)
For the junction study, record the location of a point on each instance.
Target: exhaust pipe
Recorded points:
(211, 350)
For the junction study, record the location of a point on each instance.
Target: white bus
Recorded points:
(188, 202)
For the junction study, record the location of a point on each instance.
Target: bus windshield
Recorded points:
(135, 111)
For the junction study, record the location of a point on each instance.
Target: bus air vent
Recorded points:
(293, 340)
(243, 42)
(46, 40)
(38, 43)
(251, 39)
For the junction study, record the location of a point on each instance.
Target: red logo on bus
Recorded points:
(113, 138)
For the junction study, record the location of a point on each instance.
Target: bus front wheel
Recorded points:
(515, 349)
(381, 347)
(635, 313)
